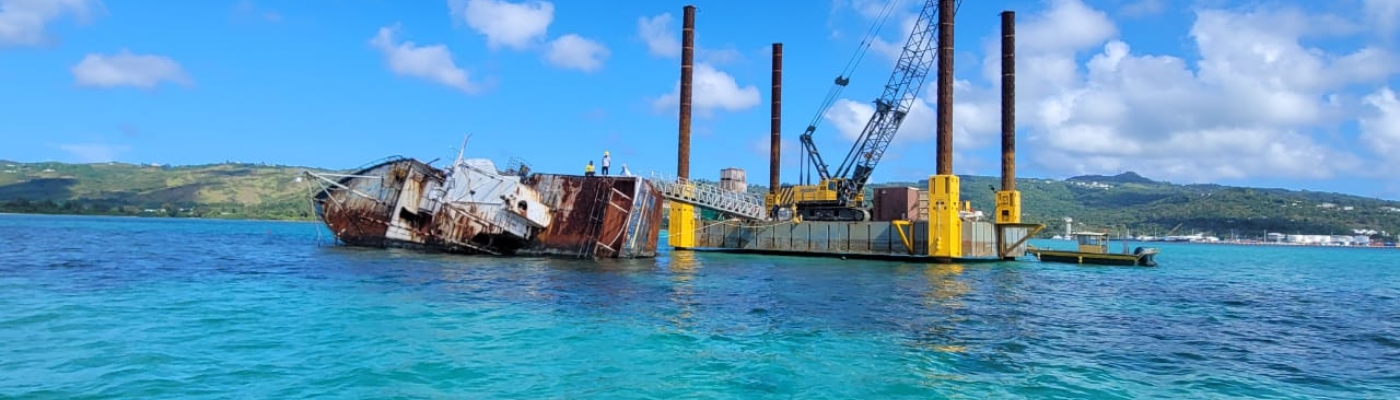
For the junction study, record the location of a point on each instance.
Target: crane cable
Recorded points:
(842, 79)
(864, 47)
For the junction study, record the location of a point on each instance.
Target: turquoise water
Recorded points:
(169, 308)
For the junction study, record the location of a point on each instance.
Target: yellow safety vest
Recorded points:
(588, 168)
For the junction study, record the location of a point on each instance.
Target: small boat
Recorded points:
(1093, 249)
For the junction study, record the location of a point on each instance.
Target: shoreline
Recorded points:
(1258, 243)
(2, 213)
(1264, 243)
(1222, 242)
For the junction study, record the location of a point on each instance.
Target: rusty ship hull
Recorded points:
(405, 203)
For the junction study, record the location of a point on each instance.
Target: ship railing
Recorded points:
(384, 160)
(516, 166)
(710, 196)
(326, 183)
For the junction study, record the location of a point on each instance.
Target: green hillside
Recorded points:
(1157, 208)
(233, 190)
(1148, 207)
(229, 190)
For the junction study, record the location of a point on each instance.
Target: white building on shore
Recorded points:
(1324, 240)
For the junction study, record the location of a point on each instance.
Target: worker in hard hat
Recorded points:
(607, 161)
(588, 169)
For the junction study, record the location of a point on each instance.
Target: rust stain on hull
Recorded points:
(601, 217)
(401, 203)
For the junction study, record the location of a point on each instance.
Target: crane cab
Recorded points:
(830, 200)
(1090, 242)
(826, 191)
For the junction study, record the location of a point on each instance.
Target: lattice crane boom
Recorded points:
(840, 194)
(914, 64)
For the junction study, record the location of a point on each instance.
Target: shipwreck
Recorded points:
(471, 207)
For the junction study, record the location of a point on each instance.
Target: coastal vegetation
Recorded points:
(1131, 203)
(226, 190)
(1123, 202)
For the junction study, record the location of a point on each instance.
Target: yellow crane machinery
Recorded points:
(840, 195)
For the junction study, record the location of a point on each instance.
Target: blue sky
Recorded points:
(1271, 93)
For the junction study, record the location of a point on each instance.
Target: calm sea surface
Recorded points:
(171, 308)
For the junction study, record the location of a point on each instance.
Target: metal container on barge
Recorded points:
(473, 208)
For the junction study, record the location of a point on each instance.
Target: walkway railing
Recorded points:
(709, 196)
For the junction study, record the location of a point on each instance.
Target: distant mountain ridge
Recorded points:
(1126, 177)
(1127, 200)
(227, 190)
(1131, 202)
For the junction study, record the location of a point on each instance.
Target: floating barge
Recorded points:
(880, 240)
(940, 228)
(1093, 249)
(474, 208)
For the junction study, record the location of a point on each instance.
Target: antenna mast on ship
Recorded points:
(461, 150)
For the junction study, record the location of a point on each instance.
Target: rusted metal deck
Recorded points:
(471, 208)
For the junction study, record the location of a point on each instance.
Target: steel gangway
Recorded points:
(709, 196)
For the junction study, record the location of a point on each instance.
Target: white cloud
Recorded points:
(1252, 102)
(431, 62)
(22, 22)
(128, 69)
(93, 152)
(893, 48)
(1384, 14)
(712, 89)
(660, 39)
(849, 117)
(1381, 129)
(664, 40)
(577, 52)
(506, 24)
(1067, 26)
